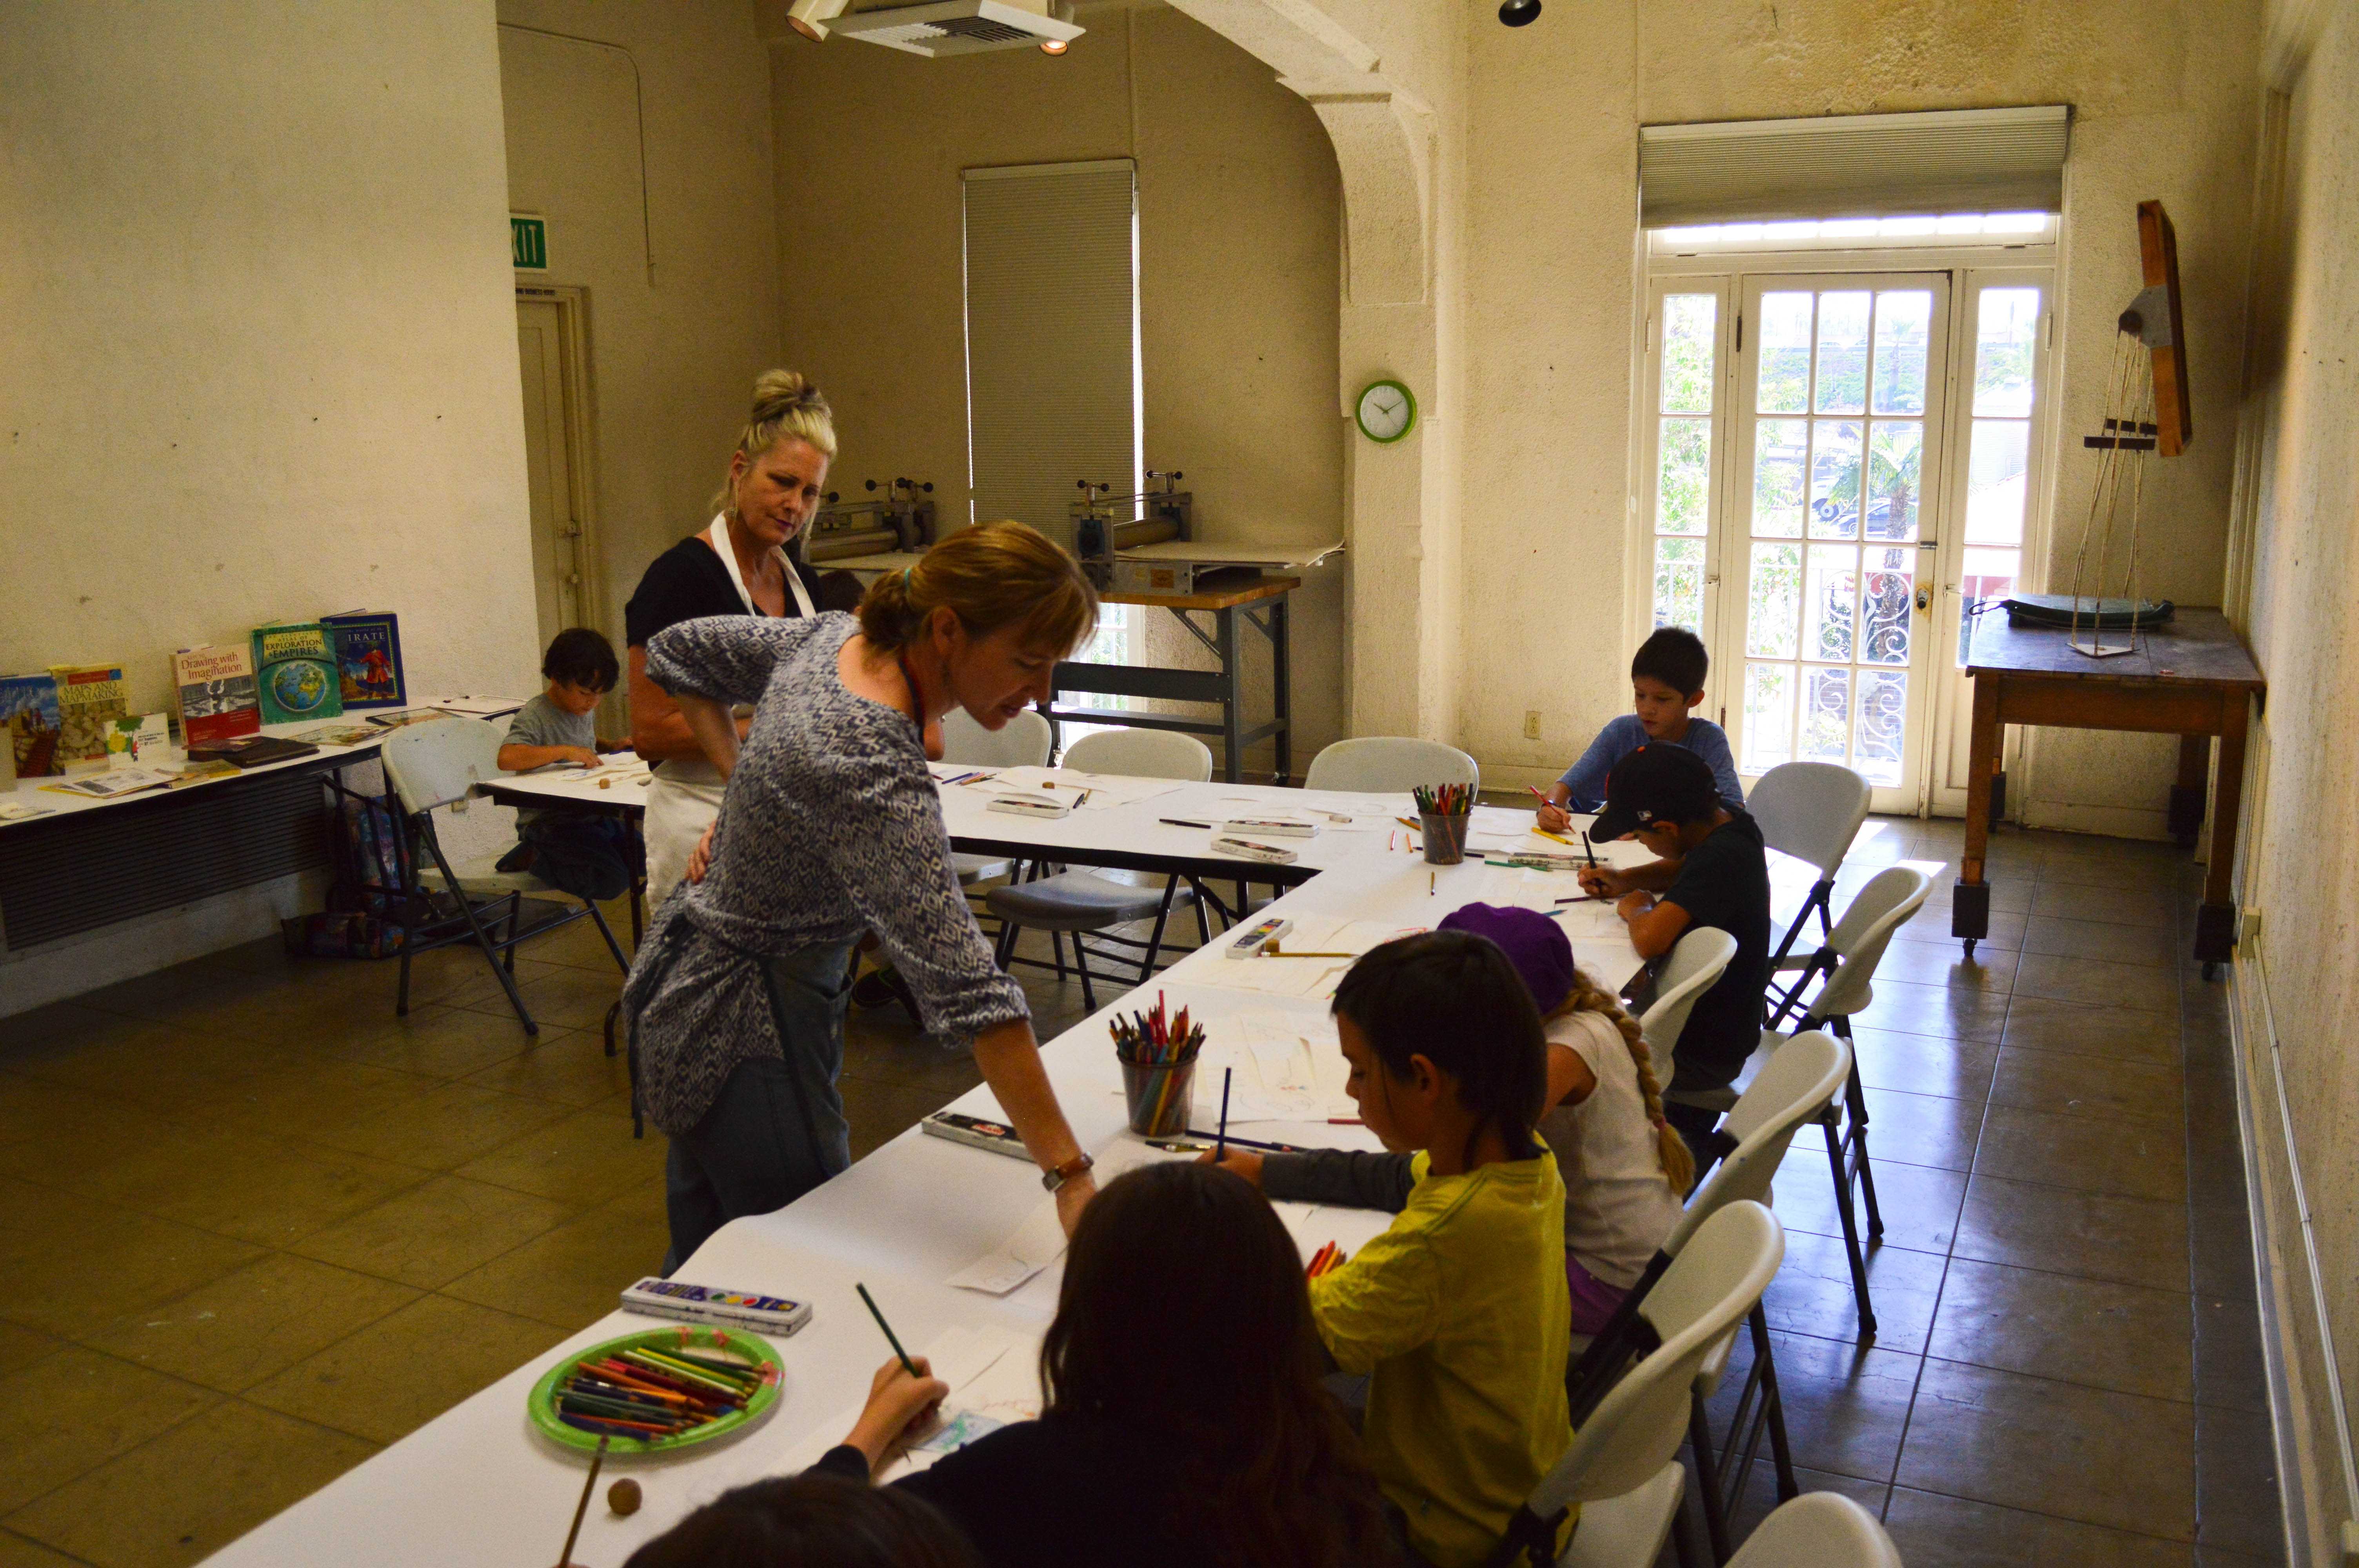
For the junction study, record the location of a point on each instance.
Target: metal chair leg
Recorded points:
(1008, 932)
(1056, 942)
(606, 931)
(1855, 1137)
(482, 938)
(1683, 1540)
(1773, 1405)
(1828, 1121)
(1154, 938)
(1081, 962)
(1708, 1478)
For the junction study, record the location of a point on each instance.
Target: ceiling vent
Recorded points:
(961, 26)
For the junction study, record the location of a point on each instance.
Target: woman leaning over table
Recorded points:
(738, 565)
(831, 826)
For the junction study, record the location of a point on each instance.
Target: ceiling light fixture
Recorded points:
(1519, 13)
(1052, 45)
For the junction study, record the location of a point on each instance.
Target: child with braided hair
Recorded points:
(1627, 1170)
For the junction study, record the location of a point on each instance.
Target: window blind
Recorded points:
(1854, 166)
(1052, 338)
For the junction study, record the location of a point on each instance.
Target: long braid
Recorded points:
(1586, 996)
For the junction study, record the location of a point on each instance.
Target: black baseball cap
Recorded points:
(1658, 783)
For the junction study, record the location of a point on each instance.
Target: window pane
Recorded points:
(1997, 468)
(1903, 331)
(1883, 716)
(1842, 352)
(1679, 582)
(1835, 479)
(1888, 599)
(1768, 717)
(1687, 353)
(1774, 590)
(1826, 713)
(1831, 602)
(1785, 354)
(1893, 451)
(1683, 478)
(2008, 319)
(1986, 575)
(1780, 450)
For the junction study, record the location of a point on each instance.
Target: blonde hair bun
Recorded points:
(786, 405)
(989, 576)
(778, 392)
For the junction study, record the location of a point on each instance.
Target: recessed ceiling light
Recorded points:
(1052, 45)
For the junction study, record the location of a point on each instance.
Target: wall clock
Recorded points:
(1386, 411)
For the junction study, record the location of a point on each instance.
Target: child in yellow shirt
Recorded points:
(1459, 1312)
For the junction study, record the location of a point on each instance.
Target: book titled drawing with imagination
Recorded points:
(219, 700)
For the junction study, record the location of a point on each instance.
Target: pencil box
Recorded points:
(975, 1132)
(1246, 848)
(1271, 826)
(1031, 806)
(705, 1303)
(1260, 937)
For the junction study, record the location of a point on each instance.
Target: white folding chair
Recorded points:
(1088, 903)
(1023, 741)
(432, 765)
(1697, 962)
(1622, 1466)
(1794, 1086)
(1389, 764)
(1813, 812)
(1819, 1529)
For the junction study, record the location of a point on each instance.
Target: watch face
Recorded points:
(1386, 410)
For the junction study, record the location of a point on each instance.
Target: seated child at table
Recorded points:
(1624, 1169)
(1184, 1427)
(1713, 869)
(1667, 680)
(1458, 1313)
(578, 852)
(811, 1522)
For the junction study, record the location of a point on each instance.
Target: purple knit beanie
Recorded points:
(1535, 945)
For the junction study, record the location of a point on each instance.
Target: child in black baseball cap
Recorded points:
(1711, 868)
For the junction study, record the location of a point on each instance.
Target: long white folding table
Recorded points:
(477, 1486)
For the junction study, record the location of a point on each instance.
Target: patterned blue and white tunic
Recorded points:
(831, 828)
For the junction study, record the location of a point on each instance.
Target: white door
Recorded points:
(1998, 420)
(1832, 502)
(559, 572)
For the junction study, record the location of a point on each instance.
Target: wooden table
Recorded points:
(2190, 677)
(1224, 596)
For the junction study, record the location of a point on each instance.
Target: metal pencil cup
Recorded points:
(1445, 838)
(1162, 1097)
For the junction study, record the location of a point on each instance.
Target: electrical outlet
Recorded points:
(1531, 723)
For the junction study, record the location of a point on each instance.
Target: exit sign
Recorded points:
(528, 238)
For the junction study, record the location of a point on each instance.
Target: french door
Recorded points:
(1812, 518)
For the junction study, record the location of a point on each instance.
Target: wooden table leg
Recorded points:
(2187, 794)
(1970, 905)
(2215, 922)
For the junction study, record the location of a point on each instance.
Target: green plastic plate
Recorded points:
(542, 1402)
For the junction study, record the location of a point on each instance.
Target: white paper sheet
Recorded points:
(994, 1381)
(1037, 1242)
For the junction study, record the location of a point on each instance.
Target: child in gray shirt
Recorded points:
(577, 852)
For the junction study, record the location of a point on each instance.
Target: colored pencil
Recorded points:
(1587, 898)
(907, 1366)
(1249, 1144)
(1180, 822)
(581, 1508)
(1544, 833)
(1585, 849)
(1274, 953)
(1221, 1138)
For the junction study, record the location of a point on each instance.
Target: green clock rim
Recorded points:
(1402, 387)
(542, 1403)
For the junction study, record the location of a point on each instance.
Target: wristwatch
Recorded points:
(1054, 1179)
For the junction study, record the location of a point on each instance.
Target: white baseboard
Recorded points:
(57, 971)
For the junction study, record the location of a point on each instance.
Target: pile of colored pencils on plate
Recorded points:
(651, 1395)
(1326, 1260)
(1444, 800)
(1151, 1040)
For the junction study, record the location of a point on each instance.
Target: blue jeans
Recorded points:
(777, 1128)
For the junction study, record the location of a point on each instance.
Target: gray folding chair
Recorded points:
(1697, 962)
(1813, 812)
(432, 765)
(1024, 741)
(1084, 902)
(1794, 1086)
(1387, 764)
(1622, 1467)
(1819, 1529)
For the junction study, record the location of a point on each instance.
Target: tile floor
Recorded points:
(238, 1198)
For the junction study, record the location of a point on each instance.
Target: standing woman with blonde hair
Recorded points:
(832, 826)
(738, 565)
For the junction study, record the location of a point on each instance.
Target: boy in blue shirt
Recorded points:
(1666, 686)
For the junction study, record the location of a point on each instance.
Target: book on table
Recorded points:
(295, 667)
(29, 713)
(219, 699)
(90, 700)
(252, 750)
(367, 647)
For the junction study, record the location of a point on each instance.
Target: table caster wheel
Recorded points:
(1970, 949)
(2211, 971)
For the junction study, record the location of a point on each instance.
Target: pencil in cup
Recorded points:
(1161, 1095)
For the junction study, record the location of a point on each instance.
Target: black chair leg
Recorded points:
(1154, 938)
(1082, 963)
(1057, 941)
(482, 938)
(508, 942)
(1828, 1121)
(1708, 1480)
(1855, 1137)
(1683, 1540)
(1008, 932)
(1773, 1405)
(612, 1013)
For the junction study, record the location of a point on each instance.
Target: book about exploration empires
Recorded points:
(219, 700)
(90, 700)
(368, 658)
(295, 667)
(29, 713)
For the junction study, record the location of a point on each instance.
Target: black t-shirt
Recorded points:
(687, 582)
(1725, 882)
